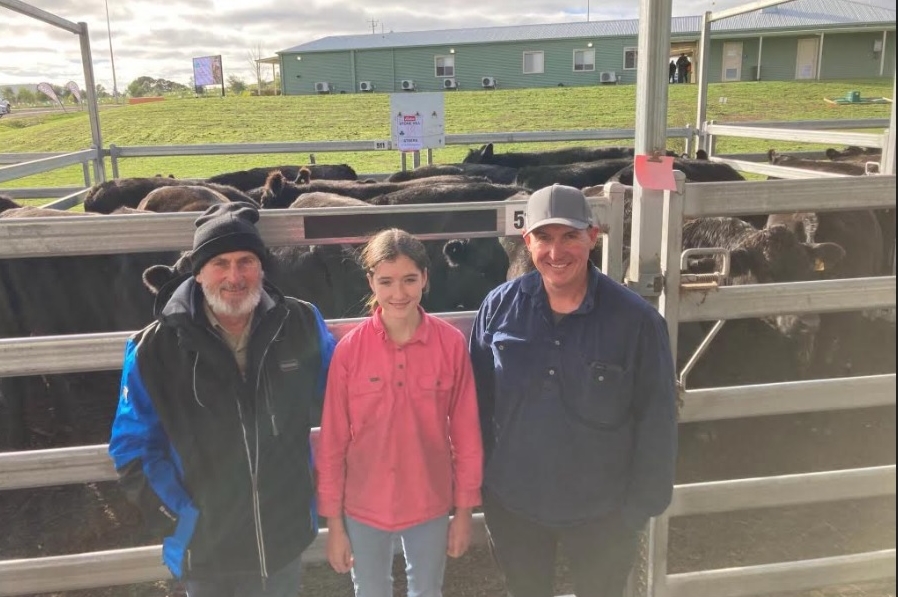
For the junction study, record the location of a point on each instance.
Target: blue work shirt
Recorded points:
(578, 416)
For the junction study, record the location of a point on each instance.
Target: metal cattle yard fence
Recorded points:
(654, 271)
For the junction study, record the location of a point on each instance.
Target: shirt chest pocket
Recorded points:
(366, 399)
(511, 357)
(604, 399)
(435, 387)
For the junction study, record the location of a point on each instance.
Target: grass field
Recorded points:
(366, 117)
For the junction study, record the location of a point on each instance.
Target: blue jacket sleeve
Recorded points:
(655, 412)
(484, 376)
(326, 344)
(148, 467)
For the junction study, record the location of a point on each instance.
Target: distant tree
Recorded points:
(145, 86)
(25, 96)
(253, 56)
(236, 85)
(101, 91)
(8, 94)
(61, 92)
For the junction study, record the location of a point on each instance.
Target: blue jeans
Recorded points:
(283, 583)
(424, 546)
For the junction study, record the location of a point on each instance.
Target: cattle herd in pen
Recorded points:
(86, 294)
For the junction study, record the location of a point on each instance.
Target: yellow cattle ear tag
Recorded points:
(819, 265)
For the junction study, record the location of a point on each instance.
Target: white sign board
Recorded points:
(417, 121)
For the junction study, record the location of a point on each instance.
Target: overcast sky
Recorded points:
(158, 38)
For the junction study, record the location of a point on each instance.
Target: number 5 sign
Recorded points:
(514, 220)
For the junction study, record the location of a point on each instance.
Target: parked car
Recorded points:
(4, 106)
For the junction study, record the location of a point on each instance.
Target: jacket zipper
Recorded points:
(253, 463)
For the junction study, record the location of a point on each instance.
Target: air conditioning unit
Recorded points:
(323, 87)
(407, 85)
(366, 86)
(608, 76)
(488, 82)
(450, 84)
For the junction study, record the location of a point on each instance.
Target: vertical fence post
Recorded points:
(704, 60)
(416, 159)
(430, 157)
(668, 305)
(690, 142)
(403, 161)
(113, 159)
(85, 170)
(93, 109)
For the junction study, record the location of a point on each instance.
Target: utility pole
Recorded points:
(587, 11)
(374, 23)
(111, 58)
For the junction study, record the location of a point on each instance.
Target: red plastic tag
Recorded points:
(655, 173)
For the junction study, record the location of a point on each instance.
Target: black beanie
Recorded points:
(223, 228)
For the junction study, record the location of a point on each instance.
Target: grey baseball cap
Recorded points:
(558, 204)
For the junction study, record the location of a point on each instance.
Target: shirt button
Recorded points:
(601, 378)
(551, 372)
(399, 384)
(501, 347)
(401, 365)
(558, 343)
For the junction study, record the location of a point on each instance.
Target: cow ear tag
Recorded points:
(819, 265)
(655, 172)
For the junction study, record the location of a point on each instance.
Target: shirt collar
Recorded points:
(532, 284)
(422, 333)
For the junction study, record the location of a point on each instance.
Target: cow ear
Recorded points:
(832, 153)
(487, 150)
(771, 156)
(455, 251)
(826, 256)
(157, 276)
(304, 176)
(275, 182)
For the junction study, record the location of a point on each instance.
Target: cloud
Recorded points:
(160, 38)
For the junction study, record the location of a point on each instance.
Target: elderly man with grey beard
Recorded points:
(211, 435)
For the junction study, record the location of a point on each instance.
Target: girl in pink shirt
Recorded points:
(400, 442)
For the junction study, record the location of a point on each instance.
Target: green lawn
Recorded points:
(364, 117)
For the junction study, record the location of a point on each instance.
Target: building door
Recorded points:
(806, 63)
(732, 61)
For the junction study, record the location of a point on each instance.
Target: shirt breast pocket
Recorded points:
(604, 400)
(365, 400)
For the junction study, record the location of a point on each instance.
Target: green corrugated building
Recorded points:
(804, 39)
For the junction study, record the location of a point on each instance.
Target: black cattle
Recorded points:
(493, 173)
(763, 256)
(247, 180)
(852, 153)
(108, 196)
(856, 221)
(857, 232)
(697, 170)
(180, 198)
(7, 203)
(846, 168)
(278, 193)
(44, 296)
(568, 155)
(579, 175)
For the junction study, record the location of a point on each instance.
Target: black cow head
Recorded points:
(484, 155)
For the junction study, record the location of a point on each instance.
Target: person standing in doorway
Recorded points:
(575, 383)
(672, 72)
(683, 68)
(400, 442)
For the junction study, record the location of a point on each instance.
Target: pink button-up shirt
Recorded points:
(400, 436)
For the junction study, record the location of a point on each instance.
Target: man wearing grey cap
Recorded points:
(575, 382)
(211, 435)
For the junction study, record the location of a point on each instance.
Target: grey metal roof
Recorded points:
(793, 15)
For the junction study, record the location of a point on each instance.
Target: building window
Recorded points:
(534, 63)
(630, 56)
(584, 60)
(444, 66)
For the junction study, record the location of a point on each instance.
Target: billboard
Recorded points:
(207, 71)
